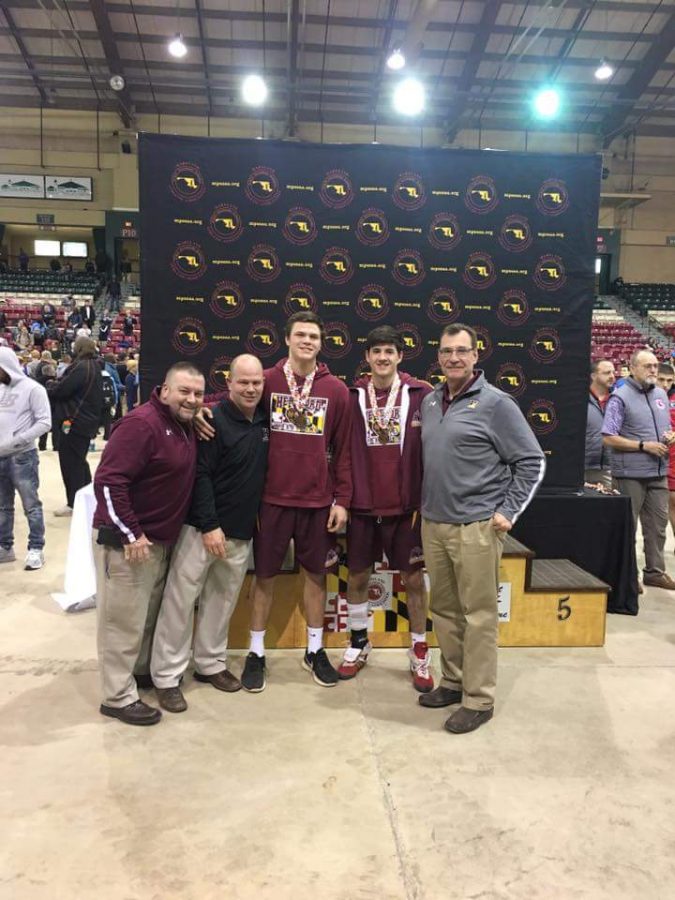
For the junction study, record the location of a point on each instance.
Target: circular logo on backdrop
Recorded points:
(300, 298)
(361, 370)
(513, 308)
(515, 234)
(443, 306)
(510, 378)
(545, 346)
(444, 232)
(336, 189)
(483, 343)
(412, 340)
(336, 265)
(481, 194)
(219, 373)
(378, 592)
(263, 263)
(549, 273)
(262, 186)
(479, 271)
(435, 375)
(372, 228)
(372, 303)
(409, 192)
(263, 338)
(337, 341)
(552, 197)
(227, 300)
(187, 182)
(189, 336)
(299, 226)
(225, 223)
(542, 417)
(408, 267)
(188, 261)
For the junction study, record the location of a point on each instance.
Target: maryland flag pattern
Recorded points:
(387, 601)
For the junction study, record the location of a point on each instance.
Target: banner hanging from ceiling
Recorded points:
(237, 235)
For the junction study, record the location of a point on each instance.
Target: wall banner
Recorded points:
(239, 234)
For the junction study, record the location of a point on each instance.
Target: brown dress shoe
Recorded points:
(465, 720)
(222, 681)
(137, 713)
(442, 696)
(660, 581)
(171, 699)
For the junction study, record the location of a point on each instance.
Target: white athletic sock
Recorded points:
(314, 639)
(257, 643)
(417, 639)
(358, 616)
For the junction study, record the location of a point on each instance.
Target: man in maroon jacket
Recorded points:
(386, 450)
(143, 487)
(307, 491)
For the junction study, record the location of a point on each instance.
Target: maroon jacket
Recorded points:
(144, 482)
(412, 394)
(309, 466)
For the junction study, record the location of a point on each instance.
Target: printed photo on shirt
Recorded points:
(376, 436)
(287, 418)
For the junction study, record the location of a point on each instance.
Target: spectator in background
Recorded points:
(128, 325)
(637, 430)
(33, 364)
(598, 463)
(104, 327)
(131, 384)
(624, 373)
(88, 314)
(78, 413)
(114, 295)
(75, 319)
(24, 339)
(23, 261)
(24, 416)
(115, 411)
(64, 363)
(89, 267)
(665, 379)
(3, 320)
(68, 302)
(38, 330)
(68, 268)
(55, 265)
(48, 312)
(125, 268)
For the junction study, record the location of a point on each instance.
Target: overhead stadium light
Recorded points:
(177, 47)
(604, 71)
(396, 60)
(116, 82)
(409, 97)
(254, 90)
(547, 103)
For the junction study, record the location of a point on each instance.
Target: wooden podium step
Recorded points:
(542, 603)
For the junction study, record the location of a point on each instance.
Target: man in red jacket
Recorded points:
(307, 491)
(386, 450)
(143, 487)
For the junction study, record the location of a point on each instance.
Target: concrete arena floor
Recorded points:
(345, 794)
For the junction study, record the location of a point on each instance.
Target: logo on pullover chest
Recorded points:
(286, 418)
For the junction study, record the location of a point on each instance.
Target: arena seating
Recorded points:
(48, 286)
(646, 299)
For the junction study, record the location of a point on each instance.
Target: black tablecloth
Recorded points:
(593, 530)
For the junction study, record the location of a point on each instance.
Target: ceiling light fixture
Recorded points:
(604, 71)
(409, 97)
(177, 47)
(547, 103)
(396, 60)
(254, 90)
(117, 82)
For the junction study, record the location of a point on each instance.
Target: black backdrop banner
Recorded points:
(239, 234)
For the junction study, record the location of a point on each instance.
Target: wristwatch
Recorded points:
(641, 446)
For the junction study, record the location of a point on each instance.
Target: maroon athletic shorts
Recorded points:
(400, 537)
(315, 548)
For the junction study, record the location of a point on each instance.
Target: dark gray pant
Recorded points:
(649, 500)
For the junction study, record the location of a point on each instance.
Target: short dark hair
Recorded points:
(182, 366)
(384, 334)
(666, 369)
(304, 316)
(456, 328)
(596, 363)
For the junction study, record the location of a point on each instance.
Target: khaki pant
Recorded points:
(649, 502)
(217, 582)
(463, 566)
(127, 602)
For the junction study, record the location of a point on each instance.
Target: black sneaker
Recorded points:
(253, 677)
(321, 668)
